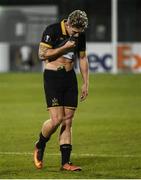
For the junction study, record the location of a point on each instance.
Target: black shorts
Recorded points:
(61, 88)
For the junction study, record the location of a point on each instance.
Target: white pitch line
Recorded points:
(74, 154)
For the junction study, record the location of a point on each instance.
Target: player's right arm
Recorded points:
(50, 54)
(47, 44)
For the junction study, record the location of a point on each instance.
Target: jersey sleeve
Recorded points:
(48, 37)
(82, 45)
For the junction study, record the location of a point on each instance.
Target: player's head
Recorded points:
(78, 21)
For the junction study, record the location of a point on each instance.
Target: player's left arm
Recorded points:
(84, 69)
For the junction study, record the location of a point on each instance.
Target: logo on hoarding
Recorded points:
(97, 62)
(128, 57)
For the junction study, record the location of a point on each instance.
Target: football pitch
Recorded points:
(106, 129)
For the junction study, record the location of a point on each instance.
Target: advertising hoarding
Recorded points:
(101, 59)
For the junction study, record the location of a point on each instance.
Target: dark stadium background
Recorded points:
(129, 12)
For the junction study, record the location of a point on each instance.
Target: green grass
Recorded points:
(107, 126)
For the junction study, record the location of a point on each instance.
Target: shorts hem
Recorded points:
(53, 107)
(68, 107)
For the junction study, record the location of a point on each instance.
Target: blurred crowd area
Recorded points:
(23, 22)
(99, 14)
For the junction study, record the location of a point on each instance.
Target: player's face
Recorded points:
(73, 31)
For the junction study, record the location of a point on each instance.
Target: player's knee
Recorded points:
(56, 121)
(69, 117)
(68, 120)
(67, 123)
(45, 124)
(66, 126)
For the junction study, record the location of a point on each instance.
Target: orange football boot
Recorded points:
(38, 157)
(70, 167)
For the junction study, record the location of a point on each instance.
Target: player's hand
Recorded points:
(84, 92)
(69, 44)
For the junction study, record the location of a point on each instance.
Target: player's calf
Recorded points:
(39, 151)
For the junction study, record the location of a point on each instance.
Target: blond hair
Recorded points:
(78, 19)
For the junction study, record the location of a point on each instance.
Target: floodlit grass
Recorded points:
(106, 128)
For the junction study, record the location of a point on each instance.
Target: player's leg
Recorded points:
(65, 139)
(70, 104)
(65, 135)
(66, 125)
(56, 117)
(48, 128)
(52, 88)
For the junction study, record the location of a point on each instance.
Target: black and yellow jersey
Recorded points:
(55, 35)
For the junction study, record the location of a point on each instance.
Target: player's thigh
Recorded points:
(53, 88)
(71, 95)
(56, 114)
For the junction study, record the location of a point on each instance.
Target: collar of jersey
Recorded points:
(64, 32)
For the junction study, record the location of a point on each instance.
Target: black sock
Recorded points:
(42, 142)
(65, 152)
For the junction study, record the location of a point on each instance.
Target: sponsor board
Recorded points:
(129, 57)
(100, 57)
(101, 60)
